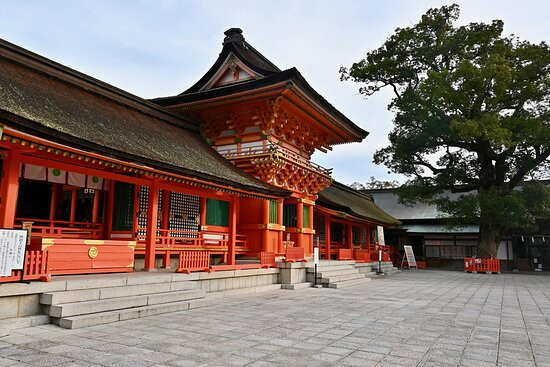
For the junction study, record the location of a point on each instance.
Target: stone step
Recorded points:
(295, 286)
(366, 270)
(349, 283)
(333, 262)
(311, 269)
(327, 274)
(341, 278)
(8, 325)
(110, 304)
(369, 274)
(100, 318)
(115, 280)
(80, 321)
(53, 298)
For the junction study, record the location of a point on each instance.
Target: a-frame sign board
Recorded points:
(409, 256)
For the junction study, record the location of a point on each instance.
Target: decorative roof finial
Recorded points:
(234, 35)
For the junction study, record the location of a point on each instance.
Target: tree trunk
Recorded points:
(489, 239)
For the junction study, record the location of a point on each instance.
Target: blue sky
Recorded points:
(161, 47)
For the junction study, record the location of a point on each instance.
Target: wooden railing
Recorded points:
(62, 229)
(267, 260)
(171, 238)
(345, 254)
(294, 254)
(273, 149)
(364, 253)
(36, 268)
(474, 265)
(193, 261)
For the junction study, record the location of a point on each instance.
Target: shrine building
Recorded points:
(268, 122)
(216, 178)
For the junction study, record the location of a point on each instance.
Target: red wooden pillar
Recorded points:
(137, 211)
(74, 197)
(350, 235)
(110, 208)
(95, 209)
(232, 230)
(280, 223)
(265, 231)
(299, 223)
(202, 212)
(327, 237)
(152, 216)
(368, 236)
(56, 191)
(10, 188)
(310, 220)
(165, 224)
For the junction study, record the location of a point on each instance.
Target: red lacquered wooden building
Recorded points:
(110, 182)
(104, 177)
(268, 122)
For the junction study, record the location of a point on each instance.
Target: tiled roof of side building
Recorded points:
(343, 198)
(388, 200)
(49, 100)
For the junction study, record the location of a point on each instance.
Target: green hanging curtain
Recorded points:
(273, 217)
(217, 213)
(306, 216)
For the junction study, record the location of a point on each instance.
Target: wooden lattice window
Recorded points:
(289, 215)
(184, 214)
(143, 200)
(123, 206)
(217, 212)
(273, 216)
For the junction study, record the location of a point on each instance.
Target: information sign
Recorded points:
(12, 250)
(316, 255)
(409, 254)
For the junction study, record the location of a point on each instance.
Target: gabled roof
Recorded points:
(51, 101)
(264, 74)
(235, 46)
(343, 198)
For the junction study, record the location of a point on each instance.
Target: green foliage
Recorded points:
(472, 115)
(373, 183)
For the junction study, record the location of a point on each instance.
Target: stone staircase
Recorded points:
(336, 274)
(90, 304)
(366, 268)
(387, 268)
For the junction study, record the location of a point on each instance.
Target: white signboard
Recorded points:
(380, 231)
(316, 255)
(409, 254)
(12, 250)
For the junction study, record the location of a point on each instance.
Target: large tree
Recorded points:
(472, 116)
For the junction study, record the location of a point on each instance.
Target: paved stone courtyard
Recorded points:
(416, 318)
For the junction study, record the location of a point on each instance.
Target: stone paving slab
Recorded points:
(415, 318)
